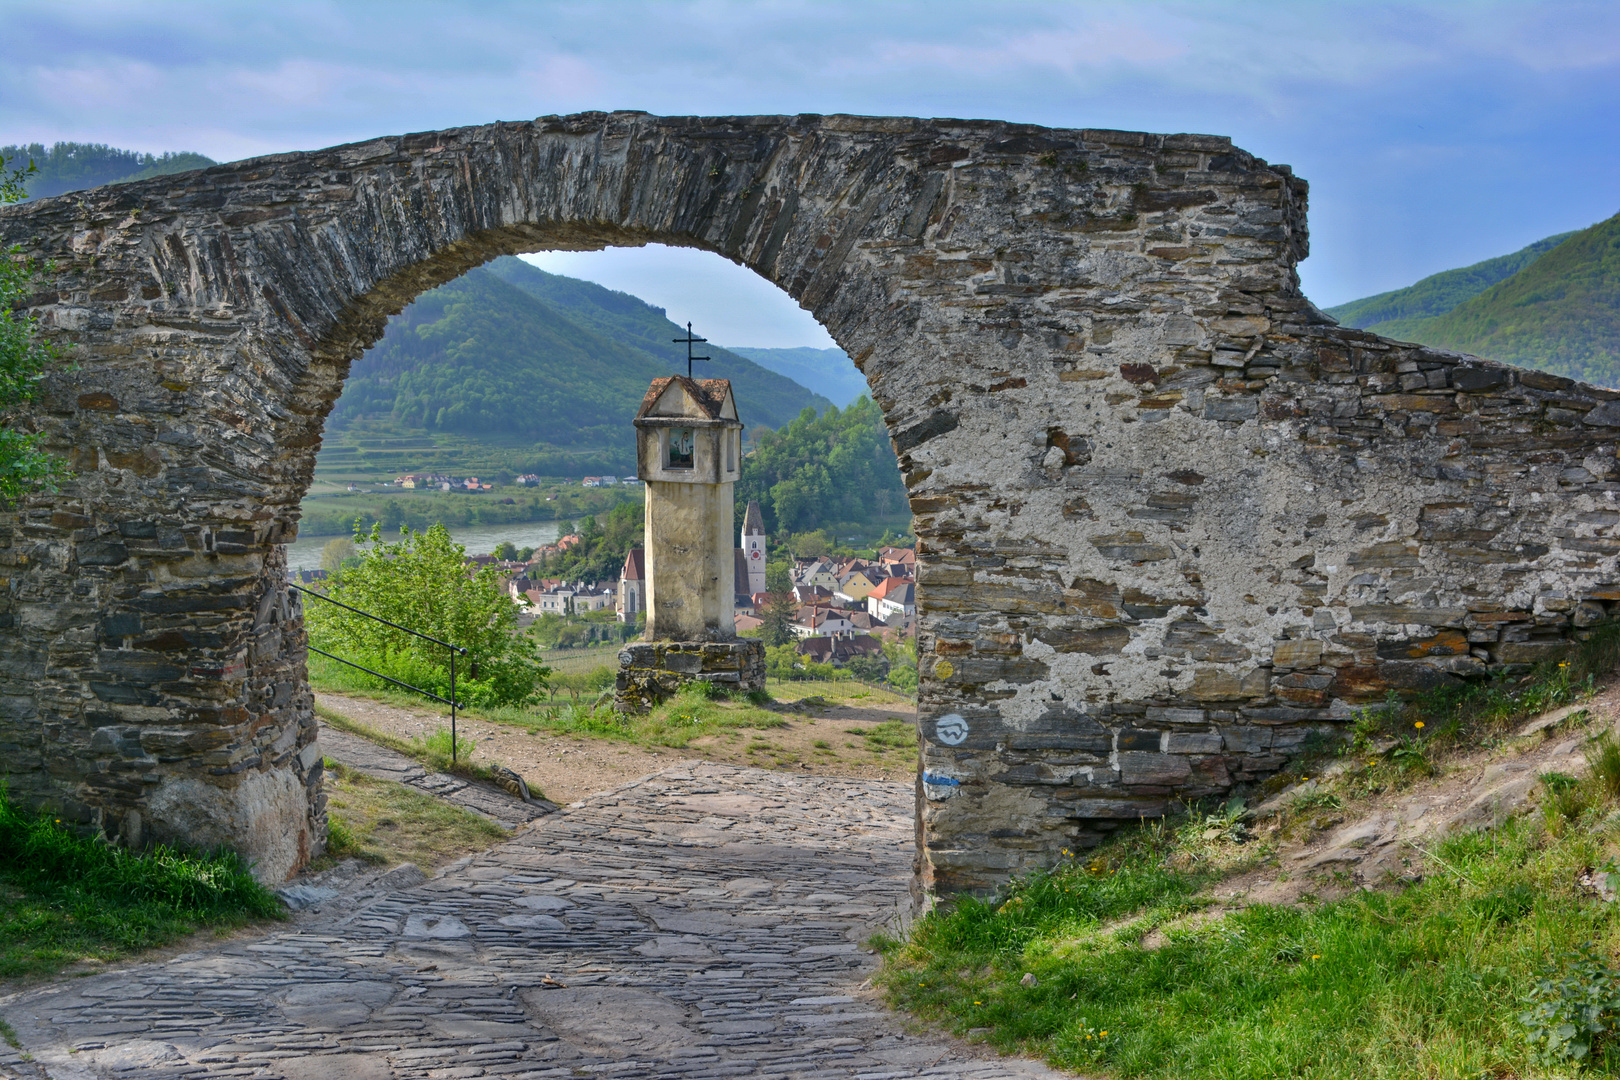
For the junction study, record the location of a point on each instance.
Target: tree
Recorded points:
(421, 581)
(24, 355)
(506, 551)
(902, 656)
(778, 618)
(779, 576)
(823, 471)
(810, 544)
(337, 551)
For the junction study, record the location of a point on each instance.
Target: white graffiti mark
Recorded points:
(951, 729)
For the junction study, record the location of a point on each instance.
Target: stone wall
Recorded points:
(1171, 519)
(651, 672)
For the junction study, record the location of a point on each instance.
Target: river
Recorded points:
(305, 554)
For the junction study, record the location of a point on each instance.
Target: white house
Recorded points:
(893, 598)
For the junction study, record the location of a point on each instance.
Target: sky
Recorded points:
(1434, 135)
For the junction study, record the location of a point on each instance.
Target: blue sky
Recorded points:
(1433, 134)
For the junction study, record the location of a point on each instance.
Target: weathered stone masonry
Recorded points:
(1171, 519)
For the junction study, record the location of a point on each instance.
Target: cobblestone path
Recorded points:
(704, 922)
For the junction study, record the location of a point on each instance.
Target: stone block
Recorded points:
(1193, 742)
(1528, 652)
(1159, 770)
(1301, 653)
(652, 672)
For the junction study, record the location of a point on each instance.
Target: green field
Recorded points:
(330, 509)
(370, 450)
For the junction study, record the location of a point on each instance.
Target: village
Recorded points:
(837, 608)
(442, 482)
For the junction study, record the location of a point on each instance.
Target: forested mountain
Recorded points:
(67, 166)
(511, 355)
(1561, 314)
(829, 372)
(1389, 313)
(824, 472)
(1554, 306)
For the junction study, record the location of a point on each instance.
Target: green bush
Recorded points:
(1603, 755)
(438, 745)
(1573, 1009)
(421, 582)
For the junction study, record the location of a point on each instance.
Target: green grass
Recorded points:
(892, 734)
(64, 898)
(387, 823)
(587, 662)
(698, 710)
(432, 750)
(1424, 982)
(841, 691)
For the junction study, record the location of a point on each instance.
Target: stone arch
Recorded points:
(1171, 519)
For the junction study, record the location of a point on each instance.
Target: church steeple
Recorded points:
(753, 546)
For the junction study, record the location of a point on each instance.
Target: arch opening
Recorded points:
(1171, 520)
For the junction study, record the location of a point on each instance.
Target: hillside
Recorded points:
(1389, 313)
(1553, 306)
(509, 367)
(67, 166)
(829, 372)
(1560, 314)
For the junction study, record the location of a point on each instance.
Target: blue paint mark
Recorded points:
(930, 778)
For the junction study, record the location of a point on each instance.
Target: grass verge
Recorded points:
(1499, 962)
(1423, 982)
(64, 898)
(432, 751)
(699, 709)
(387, 823)
(842, 691)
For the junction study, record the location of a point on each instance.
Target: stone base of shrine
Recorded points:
(651, 672)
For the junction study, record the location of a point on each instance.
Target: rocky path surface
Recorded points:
(707, 921)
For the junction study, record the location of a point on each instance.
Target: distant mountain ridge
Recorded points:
(69, 166)
(826, 371)
(1438, 293)
(549, 368)
(1553, 306)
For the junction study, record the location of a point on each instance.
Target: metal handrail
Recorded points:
(454, 649)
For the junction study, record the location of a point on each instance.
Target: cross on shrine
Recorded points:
(690, 340)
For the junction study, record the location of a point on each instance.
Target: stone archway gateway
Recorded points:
(1171, 520)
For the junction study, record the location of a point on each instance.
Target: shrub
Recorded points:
(421, 582)
(1573, 1008)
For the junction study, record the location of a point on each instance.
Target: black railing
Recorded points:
(454, 650)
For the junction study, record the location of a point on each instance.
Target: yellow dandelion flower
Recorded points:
(1418, 725)
(1102, 1034)
(1316, 956)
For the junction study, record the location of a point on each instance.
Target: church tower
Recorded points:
(753, 547)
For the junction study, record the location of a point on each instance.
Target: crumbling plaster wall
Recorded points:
(1171, 520)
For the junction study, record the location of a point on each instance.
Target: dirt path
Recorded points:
(568, 768)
